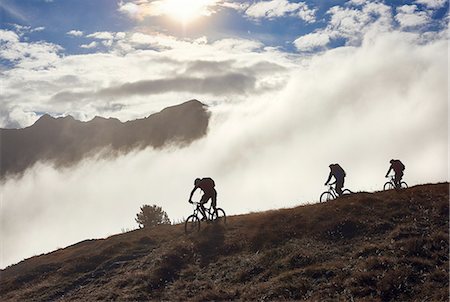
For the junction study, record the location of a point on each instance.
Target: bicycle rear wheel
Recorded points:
(326, 196)
(404, 185)
(388, 186)
(192, 224)
(220, 216)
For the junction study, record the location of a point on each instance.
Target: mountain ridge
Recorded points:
(65, 141)
(381, 246)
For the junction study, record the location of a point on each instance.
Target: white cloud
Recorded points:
(433, 4)
(40, 28)
(271, 9)
(93, 44)
(107, 38)
(354, 23)
(357, 2)
(36, 55)
(350, 24)
(8, 36)
(312, 41)
(306, 14)
(22, 29)
(75, 33)
(270, 151)
(129, 8)
(103, 35)
(410, 16)
(235, 5)
(279, 8)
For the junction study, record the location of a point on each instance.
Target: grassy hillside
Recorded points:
(383, 246)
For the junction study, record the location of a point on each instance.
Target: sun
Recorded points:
(185, 11)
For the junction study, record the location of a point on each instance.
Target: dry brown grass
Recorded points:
(384, 246)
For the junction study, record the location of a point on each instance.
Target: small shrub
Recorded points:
(151, 216)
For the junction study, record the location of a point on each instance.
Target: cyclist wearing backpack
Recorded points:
(339, 174)
(207, 185)
(398, 168)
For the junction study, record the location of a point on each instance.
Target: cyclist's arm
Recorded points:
(192, 193)
(329, 178)
(389, 171)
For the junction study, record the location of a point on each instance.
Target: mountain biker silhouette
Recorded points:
(398, 168)
(339, 174)
(209, 192)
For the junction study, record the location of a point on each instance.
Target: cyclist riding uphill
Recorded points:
(339, 175)
(398, 168)
(209, 192)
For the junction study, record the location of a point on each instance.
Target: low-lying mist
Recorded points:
(357, 106)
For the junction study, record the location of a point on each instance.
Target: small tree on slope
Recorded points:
(151, 216)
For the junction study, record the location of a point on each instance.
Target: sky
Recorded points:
(305, 84)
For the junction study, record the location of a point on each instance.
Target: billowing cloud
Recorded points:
(279, 8)
(410, 16)
(352, 23)
(433, 4)
(36, 55)
(312, 41)
(265, 151)
(357, 18)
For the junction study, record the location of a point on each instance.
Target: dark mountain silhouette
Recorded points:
(383, 246)
(65, 141)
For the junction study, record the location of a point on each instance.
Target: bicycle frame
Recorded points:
(208, 211)
(332, 190)
(392, 179)
(391, 182)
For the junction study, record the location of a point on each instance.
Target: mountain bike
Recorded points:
(332, 194)
(389, 185)
(192, 223)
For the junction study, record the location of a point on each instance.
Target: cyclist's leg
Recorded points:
(203, 200)
(214, 200)
(397, 179)
(339, 186)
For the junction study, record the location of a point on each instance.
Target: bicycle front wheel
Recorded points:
(404, 185)
(220, 216)
(325, 196)
(192, 224)
(388, 186)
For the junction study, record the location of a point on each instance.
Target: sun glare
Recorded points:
(185, 11)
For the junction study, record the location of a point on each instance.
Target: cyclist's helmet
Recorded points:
(197, 181)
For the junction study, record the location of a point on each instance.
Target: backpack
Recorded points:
(398, 164)
(338, 171)
(208, 182)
